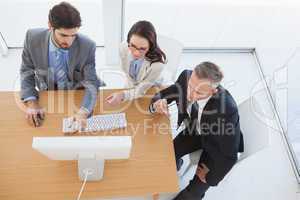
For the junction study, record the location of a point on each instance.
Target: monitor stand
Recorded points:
(89, 163)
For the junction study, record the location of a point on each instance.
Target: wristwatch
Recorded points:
(151, 108)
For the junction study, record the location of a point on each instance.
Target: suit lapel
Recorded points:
(143, 70)
(73, 57)
(210, 107)
(182, 105)
(126, 64)
(45, 62)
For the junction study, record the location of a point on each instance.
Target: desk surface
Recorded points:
(26, 174)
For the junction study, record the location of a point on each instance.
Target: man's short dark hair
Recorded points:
(64, 15)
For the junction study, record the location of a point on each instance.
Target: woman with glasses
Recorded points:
(142, 61)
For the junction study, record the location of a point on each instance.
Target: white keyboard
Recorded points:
(97, 123)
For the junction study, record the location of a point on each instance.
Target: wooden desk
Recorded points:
(25, 174)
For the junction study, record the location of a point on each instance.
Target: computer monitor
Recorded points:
(90, 151)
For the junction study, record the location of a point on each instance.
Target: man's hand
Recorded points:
(201, 172)
(79, 120)
(161, 106)
(34, 113)
(115, 98)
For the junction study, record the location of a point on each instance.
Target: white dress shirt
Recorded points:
(201, 104)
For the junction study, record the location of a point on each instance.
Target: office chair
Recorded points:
(173, 50)
(255, 132)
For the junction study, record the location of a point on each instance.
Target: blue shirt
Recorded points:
(134, 68)
(57, 57)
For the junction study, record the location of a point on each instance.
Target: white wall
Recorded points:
(275, 48)
(203, 23)
(278, 52)
(16, 16)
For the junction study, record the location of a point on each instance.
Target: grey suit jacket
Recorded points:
(36, 75)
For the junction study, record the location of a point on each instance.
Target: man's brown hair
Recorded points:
(64, 15)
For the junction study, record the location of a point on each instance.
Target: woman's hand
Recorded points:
(115, 98)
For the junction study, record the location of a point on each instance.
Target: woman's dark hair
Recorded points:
(146, 30)
(64, 15)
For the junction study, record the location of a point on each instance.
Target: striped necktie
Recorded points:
(61, 69)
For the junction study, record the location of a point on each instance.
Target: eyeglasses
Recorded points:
(142, 50)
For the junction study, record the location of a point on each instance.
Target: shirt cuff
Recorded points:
(29, 98)
(126, 95)
(87, 111)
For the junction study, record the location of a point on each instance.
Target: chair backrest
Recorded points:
(3, 46)
(173, 49)
(254, 127)
(114, 78)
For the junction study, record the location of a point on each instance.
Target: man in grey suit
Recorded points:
(58, 58)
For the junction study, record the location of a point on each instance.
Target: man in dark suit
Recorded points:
(210, 120)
